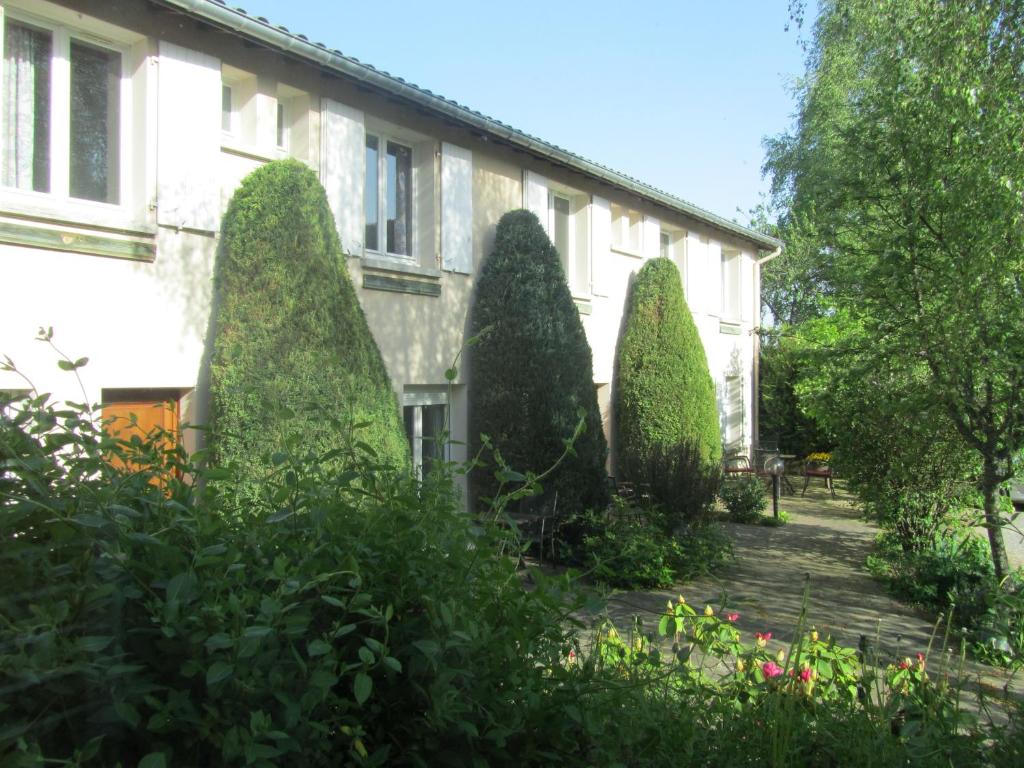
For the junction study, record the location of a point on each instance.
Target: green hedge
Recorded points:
(664, 395)
(293, 356)
(532, 372)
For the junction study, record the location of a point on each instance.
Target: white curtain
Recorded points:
(26, 61)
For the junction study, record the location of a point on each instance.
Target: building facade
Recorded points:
(128, 124)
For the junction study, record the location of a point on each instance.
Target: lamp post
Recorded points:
(775, 467)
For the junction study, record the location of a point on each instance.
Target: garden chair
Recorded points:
(737, 463)
(818, 468)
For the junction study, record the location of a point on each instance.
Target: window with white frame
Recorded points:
(672, 246)
(568, 226)
(263, 118)
(65, 105)
(425, 413)
(388, 198)
(627, 230)
(730, 284)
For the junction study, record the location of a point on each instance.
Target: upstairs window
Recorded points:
(627, 230)
(62, 108)
(568, 228)
(388, 197)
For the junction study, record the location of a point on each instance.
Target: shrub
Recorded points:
(683, 483)
(744, 498)
(531, 374)
(291, 343)
(664, 395)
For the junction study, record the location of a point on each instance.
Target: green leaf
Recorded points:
(366, 655)
(182, 587)
(127, 712)
(392, 663)
(93, 643)
(257, 631)
(218, 641)
(218, 672)
(154, 760)
(361, 687)
(333, 601)
(318, 648)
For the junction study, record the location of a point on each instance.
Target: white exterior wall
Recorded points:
(144, 323)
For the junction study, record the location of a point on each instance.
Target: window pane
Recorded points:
(26, 116)
(225, 107)
(666, 243)
(95, 123)
(371, 208)
(561, 208)
(280, 125)
(399, 197)
(433, 432)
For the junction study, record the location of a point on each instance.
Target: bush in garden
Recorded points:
(358, 619)
(744, 498)
(291, 341)
(683, 483)
(664, 395)
(531, 374)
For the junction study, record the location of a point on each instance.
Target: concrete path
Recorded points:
(823, 546)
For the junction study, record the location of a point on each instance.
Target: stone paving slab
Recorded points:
(824, 547)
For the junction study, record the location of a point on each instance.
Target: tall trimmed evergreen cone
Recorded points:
(293, 358)
(532, 371)
(664, 394)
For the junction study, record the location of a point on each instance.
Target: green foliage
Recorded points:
(744, 498)
(629, 547)
(782, 419)
(906, 167)
(683, 483)
(359, 618)
(664, 395)
(531, 374)
(291, 342)
(898, 450)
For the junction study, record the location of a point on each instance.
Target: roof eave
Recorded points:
(253, 28)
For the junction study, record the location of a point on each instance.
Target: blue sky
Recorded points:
(677, 94)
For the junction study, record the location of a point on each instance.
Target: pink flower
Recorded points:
(806, 674)
(732, 616)
(762, 638)
(771, 669)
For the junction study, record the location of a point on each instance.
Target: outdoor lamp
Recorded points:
(776, 467)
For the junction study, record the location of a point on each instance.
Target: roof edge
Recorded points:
(238, 22)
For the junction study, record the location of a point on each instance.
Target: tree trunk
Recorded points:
(990, 487)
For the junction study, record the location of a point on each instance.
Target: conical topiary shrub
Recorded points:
(533, 371)
(664, 400)
(293, 356)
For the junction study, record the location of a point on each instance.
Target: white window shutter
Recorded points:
(746, 288)
(424, 242)
(601, 243)
(714, 278)
(343, 170)
(535, 198)
(188, 144)
(652, 237)
(456, 209)
(696, 261)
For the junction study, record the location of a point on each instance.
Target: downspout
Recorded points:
(755, 422)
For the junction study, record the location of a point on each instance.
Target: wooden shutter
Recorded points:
(343, 170)
(456, 209)
(188, 141)
(535, 197)
(652, 237)
(747, 268)
(600, 244)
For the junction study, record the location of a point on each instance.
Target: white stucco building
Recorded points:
(127, 125)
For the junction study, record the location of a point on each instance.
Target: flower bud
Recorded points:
(709, 611)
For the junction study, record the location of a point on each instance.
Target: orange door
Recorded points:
(143, 418)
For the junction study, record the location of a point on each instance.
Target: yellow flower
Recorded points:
(780, 656)
(740, 666)
(682, 600)
(709, 611)
(814, 635)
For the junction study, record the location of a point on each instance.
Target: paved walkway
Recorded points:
(823, 546)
